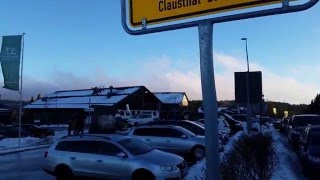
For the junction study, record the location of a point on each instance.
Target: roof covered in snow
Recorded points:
(170, 97)
(82, 99)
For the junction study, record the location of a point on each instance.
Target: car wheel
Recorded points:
(198, 152)
(142, 174)
(63, 172)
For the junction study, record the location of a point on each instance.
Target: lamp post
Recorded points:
(249, 124)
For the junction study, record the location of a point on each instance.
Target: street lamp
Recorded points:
(249, 125)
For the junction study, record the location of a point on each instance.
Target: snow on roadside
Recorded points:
(289, 164)
(12, 143)
(198, 171)
(55, 126)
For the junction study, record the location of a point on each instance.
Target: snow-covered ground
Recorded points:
(289, 165)
(55, 126)
(13, 143)
(197, 171)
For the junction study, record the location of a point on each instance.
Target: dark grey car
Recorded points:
(298, 123)
(173, 139)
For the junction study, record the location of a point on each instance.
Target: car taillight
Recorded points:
(46, 154)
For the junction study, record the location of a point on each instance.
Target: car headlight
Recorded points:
(168, 168)
(314, 159)
(238, 124)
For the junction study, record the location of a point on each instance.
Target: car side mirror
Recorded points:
(184, 136)
(121, 155)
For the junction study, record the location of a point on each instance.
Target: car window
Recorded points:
(145, 116)
(135, 146)
(158, 132)
(109, 149)
(168, 132)
(305, 120)
(144, 132)
(194, 128)
(79, 146)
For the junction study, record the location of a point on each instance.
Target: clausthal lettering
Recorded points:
(167, 5)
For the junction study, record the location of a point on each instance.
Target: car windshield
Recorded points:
(195, 128)
(315, 138)
(135, 146)
(145, 116)
(305, 120)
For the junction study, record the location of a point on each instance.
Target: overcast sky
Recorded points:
(81, 44)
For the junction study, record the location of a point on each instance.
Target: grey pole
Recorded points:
(209, 101)
(21, 78)
(249, 124)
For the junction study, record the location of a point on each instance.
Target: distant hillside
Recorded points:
(280, 107)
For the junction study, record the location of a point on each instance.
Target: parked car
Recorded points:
(235, 125)
(197, 129)
(223, 129)
(141, 119)
(240, 117)
(37, 131)
(284, 123)
(223, 125)
(172, 139)
(13, 132)
(266, 120)
(111, 156)
(298, 123)
(309, 148)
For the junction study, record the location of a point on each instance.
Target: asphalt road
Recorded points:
(23, 166)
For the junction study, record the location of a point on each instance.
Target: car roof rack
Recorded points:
(87, 135)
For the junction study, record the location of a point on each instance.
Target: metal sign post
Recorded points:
(209, 101)
(142, 13)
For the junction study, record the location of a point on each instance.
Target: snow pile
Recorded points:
(198, 171)
(11, 143)
(55, 126)
(228, 146)
(14, 142)
(289, 165)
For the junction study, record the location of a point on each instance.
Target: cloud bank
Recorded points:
(160, 74)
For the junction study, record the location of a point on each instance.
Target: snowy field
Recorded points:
(289, 165)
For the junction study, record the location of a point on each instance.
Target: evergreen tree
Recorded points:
(38, 97)
(314, 107)
(31, 100)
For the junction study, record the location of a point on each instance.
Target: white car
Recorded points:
(141, 119)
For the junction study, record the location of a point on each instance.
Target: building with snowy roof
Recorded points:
(5, 114)
(60, 106)
(175, 105)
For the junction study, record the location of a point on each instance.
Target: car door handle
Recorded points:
(147, 139)
(99, 161)
(73, 158)
(168, 140)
